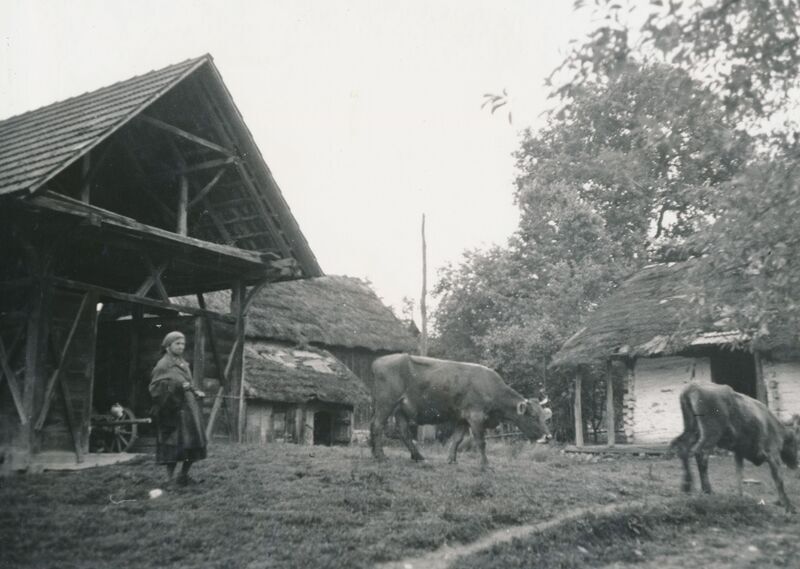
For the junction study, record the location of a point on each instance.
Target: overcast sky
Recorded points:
(367, 112)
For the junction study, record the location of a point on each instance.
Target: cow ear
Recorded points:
(521, 407)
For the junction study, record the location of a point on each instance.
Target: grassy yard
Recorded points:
(290, 506)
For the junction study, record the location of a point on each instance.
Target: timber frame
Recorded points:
(162, 194)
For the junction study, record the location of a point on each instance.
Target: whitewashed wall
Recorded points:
(653, 413)
(782, 380)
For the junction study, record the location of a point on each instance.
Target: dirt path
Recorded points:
(446, 555)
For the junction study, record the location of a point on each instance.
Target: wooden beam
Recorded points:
(207, 188)
(184, 134)
(153, 278)
(762, 393)
(86, 188)
(251, 296)
(238, 294)
(132, 298)
(48, 394)
(218, 124)
(218, 223)
(183, 205)
(214, 412)
(85, 426)
(578, 411)
(135, 328)
(199, 352)
(11, 379)
(207, 165)
(610, 418)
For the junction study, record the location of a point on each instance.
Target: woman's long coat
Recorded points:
(179, 421)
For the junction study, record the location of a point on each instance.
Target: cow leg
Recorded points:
(739, 459)
(710, 434)
(376, 427)
(476, 424)
(458, 436)
(774, 468)
(405, 434)
(682, 446)
(702, 467)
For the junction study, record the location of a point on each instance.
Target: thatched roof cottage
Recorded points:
(308, 356)
(649, 325)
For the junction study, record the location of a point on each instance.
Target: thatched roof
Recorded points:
(650, 315)
(275, 372)
(330, 311)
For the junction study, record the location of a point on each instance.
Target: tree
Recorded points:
(746, 54)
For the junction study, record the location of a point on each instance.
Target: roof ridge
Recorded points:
(187, 62)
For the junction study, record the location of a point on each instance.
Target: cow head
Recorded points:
(532, 419)
(790, 442)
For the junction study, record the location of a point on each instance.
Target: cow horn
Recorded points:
(521, 407)
(544, 401)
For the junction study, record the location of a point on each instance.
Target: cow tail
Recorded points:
(682, 441)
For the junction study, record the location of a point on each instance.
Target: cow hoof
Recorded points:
(418, 458)
(686, 488)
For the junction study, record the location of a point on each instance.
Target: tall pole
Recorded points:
(423, 309)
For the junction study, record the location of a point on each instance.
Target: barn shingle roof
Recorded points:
(36, 145)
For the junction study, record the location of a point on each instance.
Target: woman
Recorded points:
(179, 421)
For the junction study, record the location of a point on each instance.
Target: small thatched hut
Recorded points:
(648, 325)
(298, 395)
(340, 318)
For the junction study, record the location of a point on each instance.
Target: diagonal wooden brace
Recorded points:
(11, 378)
(48, 394)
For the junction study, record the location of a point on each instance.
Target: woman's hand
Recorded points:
(186, 386)
(199, 393)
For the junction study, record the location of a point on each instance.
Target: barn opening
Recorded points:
(736, 368)
(323, 428)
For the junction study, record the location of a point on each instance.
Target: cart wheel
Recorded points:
(123, 436)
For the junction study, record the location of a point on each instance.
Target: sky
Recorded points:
(367, 112)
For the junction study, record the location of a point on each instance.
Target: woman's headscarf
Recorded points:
(171, 337)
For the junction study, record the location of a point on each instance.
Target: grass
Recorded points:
(291, 506)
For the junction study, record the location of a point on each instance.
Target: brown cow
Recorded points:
(717, 416)
(428, 391)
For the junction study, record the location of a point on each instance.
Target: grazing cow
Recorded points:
(427, 391)
(716, 415)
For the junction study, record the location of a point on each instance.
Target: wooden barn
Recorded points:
(111, 204)
(340, 315)
(646, 325)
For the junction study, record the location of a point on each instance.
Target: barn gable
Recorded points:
(113, 203)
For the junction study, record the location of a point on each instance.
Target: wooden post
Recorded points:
(86, 189)
(611, 422)
(199, 352)
(299, 421)
(35, 352)
(578, 410)
(133, 364)
(423, 307)
(183, 205)
(761, 385)
(237, 307)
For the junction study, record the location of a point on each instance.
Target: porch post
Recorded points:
(578, 410)
(761, 385)
(611, 423)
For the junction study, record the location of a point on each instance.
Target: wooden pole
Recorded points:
(578, 410)
(199, 353)
(611, 422)
(183, 205)
(86, 189)
(761, 385)
(423, 307)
